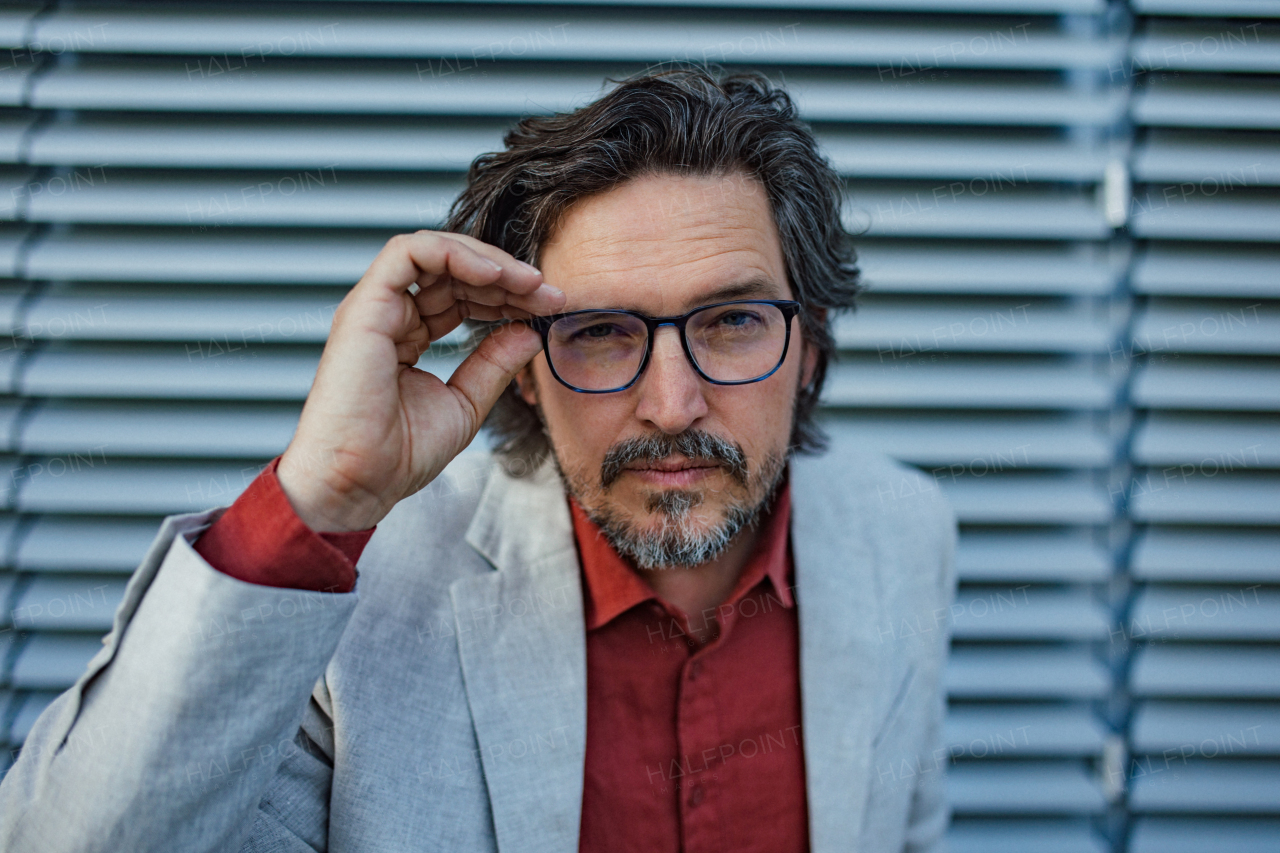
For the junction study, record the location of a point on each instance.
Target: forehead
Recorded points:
(664, 243)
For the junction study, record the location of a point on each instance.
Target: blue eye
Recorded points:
(737, 318)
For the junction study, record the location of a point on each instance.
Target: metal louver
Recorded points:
(1070, 224)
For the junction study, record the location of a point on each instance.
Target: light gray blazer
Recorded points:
(442, 704)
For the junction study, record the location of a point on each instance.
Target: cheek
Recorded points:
(582, 426)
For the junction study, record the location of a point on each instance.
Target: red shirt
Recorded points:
(690, 747)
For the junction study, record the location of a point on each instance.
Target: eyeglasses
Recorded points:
(728, 343)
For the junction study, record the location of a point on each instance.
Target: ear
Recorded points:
(526, 386)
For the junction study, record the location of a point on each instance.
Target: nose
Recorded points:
(670, 392)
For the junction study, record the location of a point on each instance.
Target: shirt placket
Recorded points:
(699, 738)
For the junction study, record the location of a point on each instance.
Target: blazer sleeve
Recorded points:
(930, 811)
(189, 728)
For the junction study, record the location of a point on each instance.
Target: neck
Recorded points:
(699, 590)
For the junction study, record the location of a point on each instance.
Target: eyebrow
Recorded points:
(758, 286)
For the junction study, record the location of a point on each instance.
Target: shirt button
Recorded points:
(695, 669)
(696, 796)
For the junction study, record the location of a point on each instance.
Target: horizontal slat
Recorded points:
(1208, 8)
(218, 321)
(70, 544)
(139, 487)
(1198, 834)
(1204, 497)
(1207, 729)
(282, 142)
(1195, 46)
(88, 253)
(1031, 556)
(1028, 499)
(907, 210)
(53, 661)
(69, 603)
(1173, 554)
(1027, 612)
(957, 443)
(1023, 835)
(1186, 383)
(993, 731)
(615, 34)
(1234, 328)
(505, 89)
(1023, 787)
(1216, 785)
(956, 382)
(1188, 212)
(1244, 612)
(970, 267)
(1227, 160)
(1195, 671)
(320, 197)
(91, 433)
(170, 372)
(1022, 672)
(902, 328)
(1253, 104)
(1227, 441)
(183, 372)
(1221, 271)
(978, 161)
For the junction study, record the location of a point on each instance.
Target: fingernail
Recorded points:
(530, 267)
(497, 266)
(552, 289)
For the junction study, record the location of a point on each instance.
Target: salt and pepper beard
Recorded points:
(676, 543)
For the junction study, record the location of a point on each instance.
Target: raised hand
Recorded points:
(375, 429)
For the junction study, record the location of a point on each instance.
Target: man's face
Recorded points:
(673, 466)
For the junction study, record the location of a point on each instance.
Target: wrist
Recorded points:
(322, 507)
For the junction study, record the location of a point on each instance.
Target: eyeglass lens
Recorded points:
(603, 350)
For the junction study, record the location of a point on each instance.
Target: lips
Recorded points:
(670, 464)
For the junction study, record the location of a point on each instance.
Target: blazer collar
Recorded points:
(522, 645)
(844, 671)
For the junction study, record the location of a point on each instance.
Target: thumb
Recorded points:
(486, 372)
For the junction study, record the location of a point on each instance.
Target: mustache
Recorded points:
(694, 444)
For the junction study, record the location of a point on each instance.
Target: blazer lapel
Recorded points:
(522, 644)
(842, 667)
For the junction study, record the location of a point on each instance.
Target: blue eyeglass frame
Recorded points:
(789, 308)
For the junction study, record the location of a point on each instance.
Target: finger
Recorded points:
(486, 373)
(473, 262)
(435, 298)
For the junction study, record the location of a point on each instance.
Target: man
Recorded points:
(644, 624)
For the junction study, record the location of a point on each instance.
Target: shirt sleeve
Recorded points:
(261, 540)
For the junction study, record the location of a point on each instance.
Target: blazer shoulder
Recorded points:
(872, 484)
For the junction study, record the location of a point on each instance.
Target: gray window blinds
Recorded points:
(1070, 214)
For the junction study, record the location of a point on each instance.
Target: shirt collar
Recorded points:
(613, 587)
